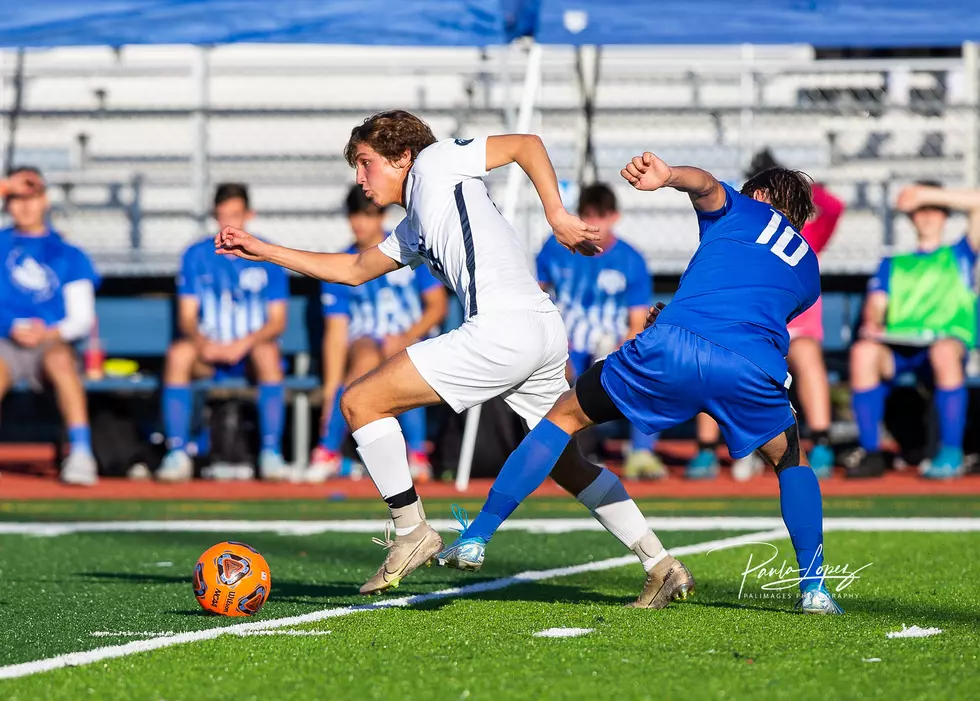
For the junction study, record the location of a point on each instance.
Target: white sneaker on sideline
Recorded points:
(177, 466)
(80, 468)
(748, 467)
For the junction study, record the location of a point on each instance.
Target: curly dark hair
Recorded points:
(789, 191)
(390, 133)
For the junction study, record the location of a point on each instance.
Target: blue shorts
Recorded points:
(667, 375)
(915, 360)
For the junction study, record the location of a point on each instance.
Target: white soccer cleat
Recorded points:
(273, 468)
(748, 467)
(80, 468)
(177, 466)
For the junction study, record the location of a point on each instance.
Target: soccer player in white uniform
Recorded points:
(511, 344)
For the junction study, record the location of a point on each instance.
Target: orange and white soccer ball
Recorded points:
(232, 579)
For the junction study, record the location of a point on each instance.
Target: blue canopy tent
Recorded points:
(50, 23)
(869, 23)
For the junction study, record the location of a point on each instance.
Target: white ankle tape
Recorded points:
(369, 433)
(592, 496)
(652, 562)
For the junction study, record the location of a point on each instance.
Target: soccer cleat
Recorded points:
(704, 466)
(948, 464)
(273, 468)
(80, 468)
(862, 464)
(324, 464)
(419, 467)
(748, 467)
(465, 553)
(643, 464)
(177, 466)
(406, 553)
(817, 600)
(668, 581)
(228, 472)
(822, 461)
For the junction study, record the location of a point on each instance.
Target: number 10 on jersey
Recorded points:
(779, 248)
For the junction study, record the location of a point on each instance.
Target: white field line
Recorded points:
(531, 525)
(74, 659)
(144, 634)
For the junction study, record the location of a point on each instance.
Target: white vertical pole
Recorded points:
(971, 153)
(200, 74)
(746, 118)
(525, 114)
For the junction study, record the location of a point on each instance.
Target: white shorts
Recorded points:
(517, 355)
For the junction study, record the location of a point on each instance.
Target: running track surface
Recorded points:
(27, 472)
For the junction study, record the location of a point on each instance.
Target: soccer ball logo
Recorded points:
(232, 579)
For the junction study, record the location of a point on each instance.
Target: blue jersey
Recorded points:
(34, 271)
(232, 293)
(385, 306)
(752, 274)
(595, 293)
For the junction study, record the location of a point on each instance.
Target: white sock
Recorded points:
(381, 446)
(611, 506)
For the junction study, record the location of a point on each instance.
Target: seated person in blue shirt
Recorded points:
(604, 301)
(47, 288)
(229, 310)
(364, 326)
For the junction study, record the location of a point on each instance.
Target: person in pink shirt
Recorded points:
(805, 358)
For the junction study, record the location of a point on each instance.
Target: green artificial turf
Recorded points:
(59, 590)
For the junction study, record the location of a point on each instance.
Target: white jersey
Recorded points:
(454, 227)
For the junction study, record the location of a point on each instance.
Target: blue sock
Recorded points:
(332, 438)
(951, 404)
(413, 426)
(272, 410)
(525, 470)
(642, 441)
(802, 511)
(177, 415)
(869, 411)
(80, 438)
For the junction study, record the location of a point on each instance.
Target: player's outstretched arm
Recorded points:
(529, 153)
(961, 199)
(649, 172)
(345, 268)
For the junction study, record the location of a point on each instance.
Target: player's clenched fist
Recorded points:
(235, 242)
(653, 314)
(647, 172)
(574, 234)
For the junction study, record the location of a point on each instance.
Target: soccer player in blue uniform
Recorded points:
(719, 347)
(229, 310)
(366, 325)
(603, 301)
(47, 303)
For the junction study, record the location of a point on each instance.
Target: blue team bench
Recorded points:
(142, 328)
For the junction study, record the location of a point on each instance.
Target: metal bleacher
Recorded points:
(117, 132)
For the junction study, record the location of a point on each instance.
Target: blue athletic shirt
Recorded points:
(595, 293)
(385, 306)
(232, 293)
(34, 269)
(752, 274)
